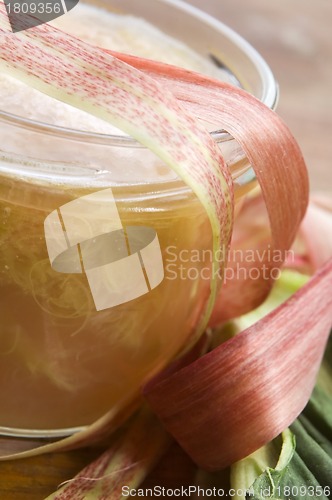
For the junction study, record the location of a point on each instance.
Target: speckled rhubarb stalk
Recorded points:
(276, 159)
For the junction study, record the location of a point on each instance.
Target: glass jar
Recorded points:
(71, 347)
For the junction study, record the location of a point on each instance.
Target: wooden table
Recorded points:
(295, 38)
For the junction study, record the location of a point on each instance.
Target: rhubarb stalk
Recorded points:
(273, 154)
(127, 462)
(245, 392)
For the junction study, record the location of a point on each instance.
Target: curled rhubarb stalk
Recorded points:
(234, 399)
(277, 161)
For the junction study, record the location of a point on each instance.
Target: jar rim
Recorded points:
(269, 95)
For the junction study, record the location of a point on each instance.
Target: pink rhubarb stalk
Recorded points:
(245, 392)
(273, 154)
(126, 463)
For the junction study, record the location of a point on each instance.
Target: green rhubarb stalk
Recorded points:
(304, 468)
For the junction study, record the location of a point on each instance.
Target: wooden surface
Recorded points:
(295, 38)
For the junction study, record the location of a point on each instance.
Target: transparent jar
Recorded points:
(67, 356)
